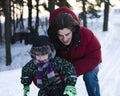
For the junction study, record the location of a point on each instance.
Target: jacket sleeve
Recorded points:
(67, 72)
(26, 75)
(92, 53)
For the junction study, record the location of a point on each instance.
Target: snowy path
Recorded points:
(110, 68)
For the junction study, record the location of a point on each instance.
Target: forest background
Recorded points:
(15, 13)
(10, 68)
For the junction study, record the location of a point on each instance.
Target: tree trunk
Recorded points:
(63, 3)
(7, 11)
(106, 16)
(0, 31)
(51, 5)
(37, 16)
(30, 14)
(84, 13)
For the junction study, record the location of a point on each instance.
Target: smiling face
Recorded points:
(65, 36)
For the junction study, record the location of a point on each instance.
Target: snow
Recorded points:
(109, 68)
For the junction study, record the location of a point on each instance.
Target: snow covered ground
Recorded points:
(109, 69)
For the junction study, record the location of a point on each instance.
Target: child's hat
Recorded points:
(41, 46)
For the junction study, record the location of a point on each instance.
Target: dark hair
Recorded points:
(62, 20)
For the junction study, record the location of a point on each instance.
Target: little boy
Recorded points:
(43, 66)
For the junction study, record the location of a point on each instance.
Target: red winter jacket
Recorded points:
(85, 56)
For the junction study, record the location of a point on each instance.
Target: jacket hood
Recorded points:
(62, 9)
(52, 30)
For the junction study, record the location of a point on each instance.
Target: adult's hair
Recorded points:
(61, 21)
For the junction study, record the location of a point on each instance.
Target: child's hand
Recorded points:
(70, 91)
(26, 90)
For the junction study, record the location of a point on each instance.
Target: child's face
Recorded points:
(42, 58)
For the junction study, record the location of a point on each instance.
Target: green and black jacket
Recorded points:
(60, 65)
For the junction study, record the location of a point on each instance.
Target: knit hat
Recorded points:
(41, 46)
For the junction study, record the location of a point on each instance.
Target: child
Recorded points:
(42, 68)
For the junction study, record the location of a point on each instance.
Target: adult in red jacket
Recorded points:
(78, 45)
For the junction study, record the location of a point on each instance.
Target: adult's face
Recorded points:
(65, 36)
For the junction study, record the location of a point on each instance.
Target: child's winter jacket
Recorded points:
(61, 66)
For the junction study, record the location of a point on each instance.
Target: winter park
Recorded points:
(109, 71)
